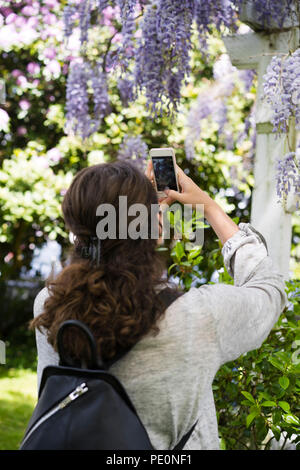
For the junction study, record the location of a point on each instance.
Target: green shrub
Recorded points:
(257, 395)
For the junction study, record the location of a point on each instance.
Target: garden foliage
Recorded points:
(259, 393)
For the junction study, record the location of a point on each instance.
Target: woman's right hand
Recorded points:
(190, 193)
(222, 224)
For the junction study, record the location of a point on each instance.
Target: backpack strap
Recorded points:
(167, 296)
(185, 438)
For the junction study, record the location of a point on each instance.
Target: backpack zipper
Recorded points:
(80, 390)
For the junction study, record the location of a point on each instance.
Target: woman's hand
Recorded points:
(190, 193)
(149, 171)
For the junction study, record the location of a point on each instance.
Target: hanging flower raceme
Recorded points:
(150, 44)
(128, 13)
(133, 148)
(212, 103)
(288, 176)
(272, 14)
(87, 100)
(282, 90)
(218, 13)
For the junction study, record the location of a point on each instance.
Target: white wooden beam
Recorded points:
(255, 51)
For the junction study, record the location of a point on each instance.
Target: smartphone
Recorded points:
(164, 169)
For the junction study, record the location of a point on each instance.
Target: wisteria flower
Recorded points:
(86, 85)
(282, 90)
(288, 176)
(134, 149)
(153, 44)
(33, 68)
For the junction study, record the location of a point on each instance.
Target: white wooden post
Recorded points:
(255, 51)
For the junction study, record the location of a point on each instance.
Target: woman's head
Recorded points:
(117, 297)
(97, 204)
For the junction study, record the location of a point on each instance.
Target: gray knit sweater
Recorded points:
(169, 377)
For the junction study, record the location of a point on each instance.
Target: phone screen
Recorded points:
(164, 172)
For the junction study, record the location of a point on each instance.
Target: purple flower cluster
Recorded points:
(213, 103)
(78, 119)
(163, 55)
(282, 90)
(288, 176)
(100, 95)
(271, 11)
(84, 11)
(218, 13)
(247, 77)
(79, 12)
(134, 149)
(126, 90)
(84, 81)
(208, 104)
(174, 19)
(154, 51)
(128, 14)
(162, 51)
(69, 16)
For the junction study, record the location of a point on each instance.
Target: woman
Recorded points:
(113, 287)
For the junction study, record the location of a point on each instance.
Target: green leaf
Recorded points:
(222, 444)
(251, 417)
(268, 403)
(197, 260)
(276, 363)
(291, 419)
(249, 397)
(185, 263)
(276, 416)
(284, 405)
(276, 432)
(262, 428)
(245, 402)
(179, 251)
(284, 382)
(264, 395)
(194, 253)
(170, 216)
(177, 216)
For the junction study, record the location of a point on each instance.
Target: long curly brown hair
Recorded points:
(117, 298)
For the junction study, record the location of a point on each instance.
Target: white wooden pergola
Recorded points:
(254, 50)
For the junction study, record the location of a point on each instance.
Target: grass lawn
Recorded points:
(18, 395)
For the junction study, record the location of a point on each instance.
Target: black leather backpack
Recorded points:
(85, 408)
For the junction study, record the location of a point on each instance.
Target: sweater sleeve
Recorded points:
(244, 313)
(46, 354)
